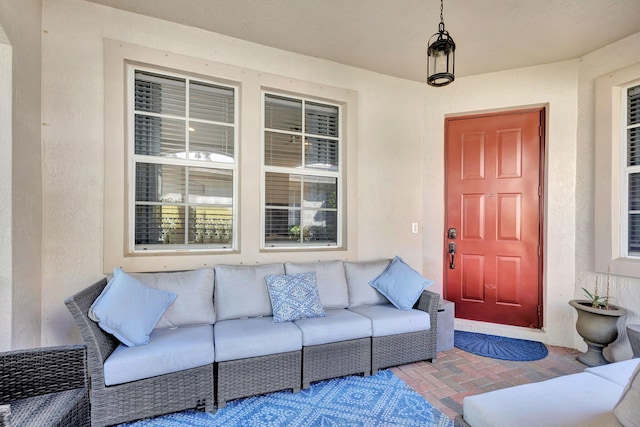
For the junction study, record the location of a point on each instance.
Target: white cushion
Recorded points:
(258, 336)
(627, 410)
(358, 275)
(242, 292)
(339, 325)
(618, 372)
(581, 399)
(128, 309)
(332, 284)
(194, 301)
(169, 350)
(388, 320)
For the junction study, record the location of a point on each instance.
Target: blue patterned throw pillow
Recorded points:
(294, 297)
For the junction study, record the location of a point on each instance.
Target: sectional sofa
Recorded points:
(603, 396)
(235, 331)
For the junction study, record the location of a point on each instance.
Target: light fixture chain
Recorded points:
(441, 9)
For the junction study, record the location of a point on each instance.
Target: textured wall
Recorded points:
(568, 90)
(399, 167)
(6, 290)
(555, 86)
(625, 291)
(21, 20)
(388, 163)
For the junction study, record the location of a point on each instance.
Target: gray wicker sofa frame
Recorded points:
(163, 394)
(44, 387)
(400, 349)
(194, 388)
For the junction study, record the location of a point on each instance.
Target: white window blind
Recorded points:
(183, 162)
(302, 172)
(632, 169)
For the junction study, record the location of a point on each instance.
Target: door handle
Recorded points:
(452, 252)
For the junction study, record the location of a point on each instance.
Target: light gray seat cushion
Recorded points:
(241, 291)
(332, 284)
(252, 337)
(388, 320)
(358, 275)
(618, 372)
(339, 325)
(581, 399)
(168, 350)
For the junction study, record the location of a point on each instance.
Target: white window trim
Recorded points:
(626, 171)
(315, 172)
(610, 240)
(251, 83)
(133, 158)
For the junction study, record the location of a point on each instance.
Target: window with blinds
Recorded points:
(302, 173)
(183, 162)
(632, 169)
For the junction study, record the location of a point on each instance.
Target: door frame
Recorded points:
(543, 111)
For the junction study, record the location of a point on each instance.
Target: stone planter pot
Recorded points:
(598, 328)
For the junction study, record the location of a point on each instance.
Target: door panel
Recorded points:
(493, 185)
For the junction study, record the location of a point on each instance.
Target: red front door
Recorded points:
(493, 203)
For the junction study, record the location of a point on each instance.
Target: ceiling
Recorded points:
(390, 36)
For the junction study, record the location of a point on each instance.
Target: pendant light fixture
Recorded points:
(441, 56)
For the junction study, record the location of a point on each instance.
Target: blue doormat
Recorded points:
(496, 347)
(375, 401)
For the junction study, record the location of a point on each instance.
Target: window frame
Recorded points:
(339, 175)
(610, 228)
(132, 159)
(626, 171)
(112, 176)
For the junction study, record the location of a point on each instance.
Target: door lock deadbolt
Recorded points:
(452, 233)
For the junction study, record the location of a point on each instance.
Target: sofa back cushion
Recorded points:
(358, 275)
(332, 284)
(194, 302)
(241, 291)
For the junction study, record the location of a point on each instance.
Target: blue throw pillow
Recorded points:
(294, 297)
(401, 284)
(128, 309)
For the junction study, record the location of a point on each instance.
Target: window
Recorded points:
(631, 169)
(180, 189)
(302, 172)
(182, 162)
(617, 173)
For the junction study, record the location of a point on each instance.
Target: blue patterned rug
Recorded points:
(376, 401)
(502, 348)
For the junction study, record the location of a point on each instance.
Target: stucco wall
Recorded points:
(389, 142)
(400, 170)
(21, 21)
(555, 86)
(6, 290)
(625, 291)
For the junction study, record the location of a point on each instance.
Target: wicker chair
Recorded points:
(149, 397)
(44, 387)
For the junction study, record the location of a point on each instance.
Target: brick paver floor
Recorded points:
(457, 374)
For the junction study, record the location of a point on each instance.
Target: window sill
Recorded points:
(629, 267)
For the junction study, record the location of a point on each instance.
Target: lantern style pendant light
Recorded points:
(441, 56)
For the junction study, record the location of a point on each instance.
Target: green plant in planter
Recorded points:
(596, 323)
(596, 300)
